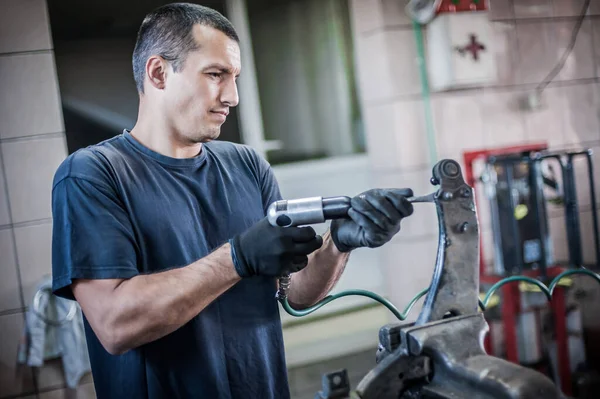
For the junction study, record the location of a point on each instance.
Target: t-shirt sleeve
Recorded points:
(92, 235)
(269, 185)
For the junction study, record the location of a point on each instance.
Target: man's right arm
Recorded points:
(127, 313)
(95, 257)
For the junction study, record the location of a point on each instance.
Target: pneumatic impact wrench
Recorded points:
(297, 212)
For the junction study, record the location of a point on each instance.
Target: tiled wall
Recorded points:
(32, 145)
(529, 37)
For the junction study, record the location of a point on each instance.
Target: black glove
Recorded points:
(265, 250)
(375, 217)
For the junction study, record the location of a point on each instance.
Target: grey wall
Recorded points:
(32, 145)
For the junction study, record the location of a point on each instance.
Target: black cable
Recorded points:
(564, 57)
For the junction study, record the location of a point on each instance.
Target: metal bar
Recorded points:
(535, 175)
(510, 326)
(454, 286)
(592, 183)
(516, 236)
(571, 213)
(422, 198)
(562, 343)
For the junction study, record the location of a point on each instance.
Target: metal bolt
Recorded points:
(336, 380)
(434, 181)
(464, 227)
(451, 169)
(466, 192)
(447, 195)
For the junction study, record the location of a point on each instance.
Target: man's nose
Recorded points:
(229, 94)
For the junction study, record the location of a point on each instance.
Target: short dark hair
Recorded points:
(167, 31)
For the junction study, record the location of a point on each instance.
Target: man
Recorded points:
(160, 232)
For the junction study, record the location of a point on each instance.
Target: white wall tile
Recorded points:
(459, 123)
(533, 8)
(558, 235)
(580, 62)
(501, 9)
(366, 15)
(536, 51)
(394, 14)
(581, 113)
(505, 43)
(401, 45)
(380, 131)
(14, 380)
(423, 221)
(55, 394)
(86, 391)
(51, 375)
(396, 134)
(30, 166)
(24, 26)
(547, 123)
(29, 96)
(560, 242)
(409, 266)
(542, 44)
(4, 208)
(34, 253)
(410, 134)
(588, 244)
(569, 8)
(503, 122)
(596, 43)
(373, 73)
(9, 283)
(387, 65)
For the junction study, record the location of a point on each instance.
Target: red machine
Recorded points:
(511, 306)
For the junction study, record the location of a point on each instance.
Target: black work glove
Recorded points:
(375, 217)
(265, 250)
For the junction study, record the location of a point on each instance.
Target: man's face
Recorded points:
(198, 97)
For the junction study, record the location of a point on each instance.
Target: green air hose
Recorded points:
(547, 290)
(368, 294)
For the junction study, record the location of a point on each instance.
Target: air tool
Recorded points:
(311, 210)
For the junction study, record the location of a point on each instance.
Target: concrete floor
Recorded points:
(305, 381)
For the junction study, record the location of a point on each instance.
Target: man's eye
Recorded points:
(215, 74)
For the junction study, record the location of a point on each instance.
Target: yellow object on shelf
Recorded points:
(521, 211)
(526, 287)
(493, 301)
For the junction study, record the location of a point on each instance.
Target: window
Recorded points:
(304, 62)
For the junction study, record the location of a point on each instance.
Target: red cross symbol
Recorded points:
(474, 47)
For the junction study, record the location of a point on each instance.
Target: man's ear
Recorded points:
(156, 71)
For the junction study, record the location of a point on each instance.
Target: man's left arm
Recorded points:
(374, 219)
